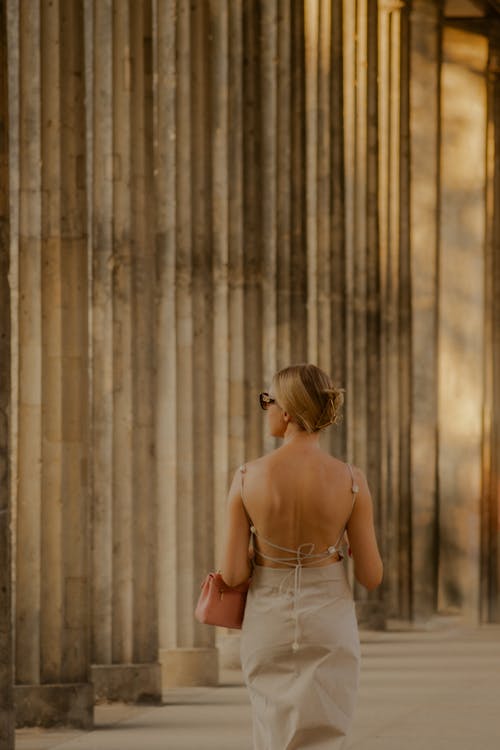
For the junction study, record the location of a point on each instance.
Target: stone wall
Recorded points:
(208, 191)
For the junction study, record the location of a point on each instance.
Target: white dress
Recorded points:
(300, 650)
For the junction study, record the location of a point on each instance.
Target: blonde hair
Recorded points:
(308, 394)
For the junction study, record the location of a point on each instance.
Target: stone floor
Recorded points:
(437, 688)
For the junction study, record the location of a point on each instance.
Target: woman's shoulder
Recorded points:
(255, 465)
(358, 474)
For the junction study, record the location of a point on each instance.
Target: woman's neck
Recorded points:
(294, 434)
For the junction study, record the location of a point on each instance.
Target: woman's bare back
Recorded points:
(298, 495)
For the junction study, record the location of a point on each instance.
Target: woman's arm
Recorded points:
(368, 565)
(236, 567)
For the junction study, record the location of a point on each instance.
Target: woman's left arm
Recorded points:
(236, 566)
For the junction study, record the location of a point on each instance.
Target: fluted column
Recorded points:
(461, 317)
(392, 79)
(236, 252)
(490, 515)
(424, 116)
(269, 140)
(311, 38)
(298, 258)
(219, 33)
(30, 345)
(165, 335)
(374, 306)
(284, 183)
(355, 96)
(6, 644)
(144, 557)
(123, 368)
(124, 508)
(403, 484)
(252, 258)
(102, 339)
(337, 236)
(362, 273)
(186, 649)
(52, 626)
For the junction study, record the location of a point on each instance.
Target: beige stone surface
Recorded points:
(429, 689)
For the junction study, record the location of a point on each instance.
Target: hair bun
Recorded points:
(334, 398)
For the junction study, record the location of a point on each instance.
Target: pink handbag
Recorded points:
(220, 604)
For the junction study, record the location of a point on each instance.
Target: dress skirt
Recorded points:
(300, 656)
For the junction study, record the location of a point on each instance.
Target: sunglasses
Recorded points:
(265, 400)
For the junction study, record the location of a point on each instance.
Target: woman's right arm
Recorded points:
(368, 565)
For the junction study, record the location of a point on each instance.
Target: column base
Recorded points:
(49, 705)
(189, 667)
(7, 721)
(228, 643)
(370, 614)
(131, 683)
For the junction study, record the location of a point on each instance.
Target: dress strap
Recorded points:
(354, 491)
(243, 470)
(354, 487)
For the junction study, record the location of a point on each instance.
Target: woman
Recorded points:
(287, 516)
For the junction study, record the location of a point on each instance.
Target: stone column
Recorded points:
(124, 509)
(337, 238)
(284, 184)
(374, 305)
(252, 258)
(311, 37)
(490, 516)
(298, 259)
(186, 649)
(355, 96)
(144, 557)
(201, 290)
(123, 358)
(6, 655)
(166, 339)
(362, 262)
(403, 484)
(28, 510)
(318, 24)
(219, 128)
(424, 114)
(269, 140)
(101, 450)
(392, 168)
(220, 189)
(324, 193)
(52, 625)
(236, 249)
(461, 318)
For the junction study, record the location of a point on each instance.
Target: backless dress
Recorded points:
(300, 650)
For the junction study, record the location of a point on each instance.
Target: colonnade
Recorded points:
(200, 193)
